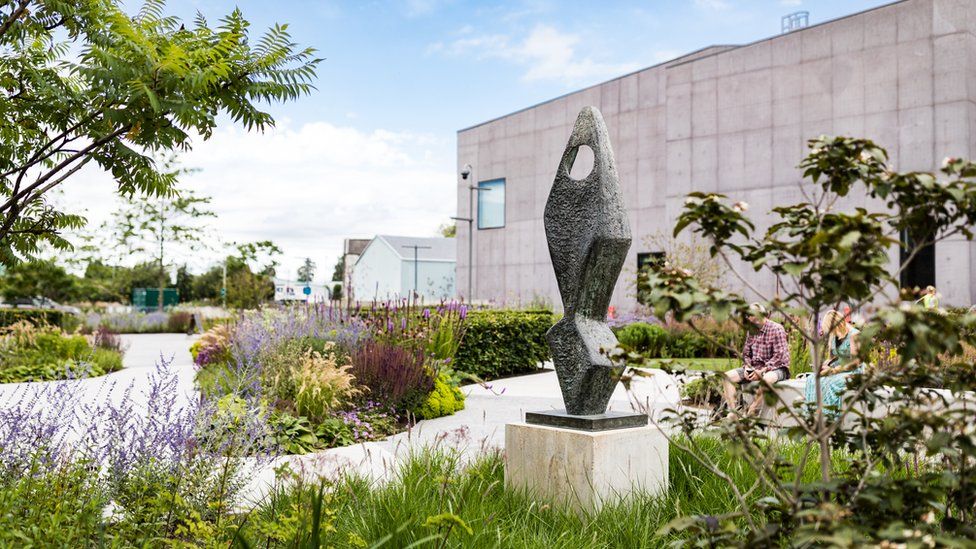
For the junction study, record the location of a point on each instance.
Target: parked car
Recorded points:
(40, 302)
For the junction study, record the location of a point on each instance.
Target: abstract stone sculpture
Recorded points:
(589, 235)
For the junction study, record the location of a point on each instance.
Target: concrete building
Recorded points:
(392, 267)
(735, 120)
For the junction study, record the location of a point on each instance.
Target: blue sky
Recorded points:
(372, 150)
(441, 65)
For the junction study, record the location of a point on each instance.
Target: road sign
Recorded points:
(307, 290)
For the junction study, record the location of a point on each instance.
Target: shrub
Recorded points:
(444, 400)
(395, 375)
(334, 432)
(179, 322)
(51, 504)
(213, 346)
(708, 339)
(800, 359)
(322, 384)
(294, 435)
(436, 329)
(37, 317)
(500, 343)
(104, 338)
(40, 353)
(703, 391)
(370, 421)
(641, 337)
(105, 361)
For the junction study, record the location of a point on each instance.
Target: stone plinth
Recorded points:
(596, 422)
(584, 470)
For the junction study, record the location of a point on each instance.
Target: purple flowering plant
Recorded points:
(394, 350)
(134, 442)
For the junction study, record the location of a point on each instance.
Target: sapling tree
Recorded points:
(86, 83)
(306, 273)
(251, 272)
(154, 225)
(895, 462)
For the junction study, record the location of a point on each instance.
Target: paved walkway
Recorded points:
(83, 398)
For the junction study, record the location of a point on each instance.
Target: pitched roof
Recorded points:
(431, 249)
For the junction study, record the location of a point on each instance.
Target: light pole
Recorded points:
(415, 264)
(472, 189)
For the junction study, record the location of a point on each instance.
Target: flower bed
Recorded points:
(30, 352)
(168, 322)
(327, 378)
(140, 323)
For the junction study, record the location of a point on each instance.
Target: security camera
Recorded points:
(465, 171)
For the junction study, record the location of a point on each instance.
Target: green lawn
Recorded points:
(715, 364)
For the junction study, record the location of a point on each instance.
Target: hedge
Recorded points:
(50, 317)
(655, 341)
(501, 343)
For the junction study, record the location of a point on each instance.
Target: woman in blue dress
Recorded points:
(842, 362)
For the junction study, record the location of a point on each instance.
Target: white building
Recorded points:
(394, 266)
(352, 248)
(292, 290)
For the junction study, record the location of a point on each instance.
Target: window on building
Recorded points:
(920, 271)
(646, 259)
(491, 204)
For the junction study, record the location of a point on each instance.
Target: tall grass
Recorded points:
(435, 501)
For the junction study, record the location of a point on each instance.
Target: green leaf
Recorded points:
(794, 269)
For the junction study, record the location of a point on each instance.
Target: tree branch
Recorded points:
(14, 16)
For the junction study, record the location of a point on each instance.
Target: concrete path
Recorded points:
(85, 399)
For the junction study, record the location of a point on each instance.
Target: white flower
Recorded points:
(740, 206)
(947, 160)
(865, 156)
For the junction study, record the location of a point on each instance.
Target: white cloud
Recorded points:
(546, 53)
(791, 3)
(307, 187)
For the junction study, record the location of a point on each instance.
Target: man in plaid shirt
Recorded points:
(766, 355)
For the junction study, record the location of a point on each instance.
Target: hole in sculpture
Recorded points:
(582, 164)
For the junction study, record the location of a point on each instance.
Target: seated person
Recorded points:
(840, 364)
(765, 356)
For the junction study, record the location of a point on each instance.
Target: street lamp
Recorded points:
(472, 189)
(416, 261)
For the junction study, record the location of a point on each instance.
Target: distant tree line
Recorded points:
(250, 280)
